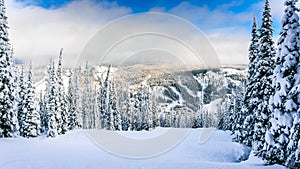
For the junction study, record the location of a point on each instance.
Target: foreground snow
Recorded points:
(76, 151)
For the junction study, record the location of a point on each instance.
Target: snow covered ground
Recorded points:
(76, 151)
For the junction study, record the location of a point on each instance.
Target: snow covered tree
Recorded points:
(154, 111)
(71, 102)
(102, 100)
(283, 136)
(246, 115)
(77, 101)
(264, 89)
(114, 110)
(62, 109)
(42, 112)
(86, 100)
(8, 101)
(21, 98)
(145, 116)
(32, 122)
(51, 101)
(135, 121)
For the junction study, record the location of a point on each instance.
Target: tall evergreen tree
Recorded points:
(154, 111)
(264, 72)
(246, 115)
(71, 102)
(105, 112)
(62, 109)
(32, 122)
(8, 101)
(21, 98)
(114, 110)
(51, 101)
(86, 99)
(43, 113)
(77, 101)
(283, 136)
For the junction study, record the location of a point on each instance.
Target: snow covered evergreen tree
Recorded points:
(86, 99)
(145, 114)
(114, 110)
(71, 102)
(246, 115)
(21, 98)
(32, 122)
(135, 121)
(43, 113)
(264, 89)
(283, 137)
(51, 101)
(77, 101)
(62, 109)
(8, 102)
(126, 111)
(154, 111)
(103, 102)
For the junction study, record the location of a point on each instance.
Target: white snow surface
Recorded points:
(75, 150)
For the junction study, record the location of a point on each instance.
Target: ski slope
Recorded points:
(76, 151)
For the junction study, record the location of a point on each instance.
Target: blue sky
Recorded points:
(227, 23)
(234, 7)
(144, 5)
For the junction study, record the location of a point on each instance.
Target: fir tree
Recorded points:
(246, 116)
(71, 101)
(21, 98)
(264, 71)
(115, 113)
(77, 101)
(154, 112)
(282, 138)
(31, 124)
(62, 110)
(8, 101)
(105, 102)
(86, 99)
(135, 122)
(43, 113)
(51, 101)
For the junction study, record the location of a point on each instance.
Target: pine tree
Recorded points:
(101, 102)
(105, 102)
(155, 119)
(114, 110)
(71, 102)
(86, 99)
(264, 71)
(77, 101)
(8, 102)
(43, 113)
(62, 110)
(21, 98)
(51, 101)
(32, 122)
(246, 116)
(135, 122)
(126, 115)
(145, 112)
(282, 138)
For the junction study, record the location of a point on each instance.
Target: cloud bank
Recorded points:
(38, 33)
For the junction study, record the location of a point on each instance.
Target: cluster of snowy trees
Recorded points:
(269, 119)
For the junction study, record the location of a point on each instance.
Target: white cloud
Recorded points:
(38, 34)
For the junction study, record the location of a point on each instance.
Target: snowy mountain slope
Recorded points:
(75, 150)
(176, 88)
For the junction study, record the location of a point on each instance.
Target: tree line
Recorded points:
(268, 120)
